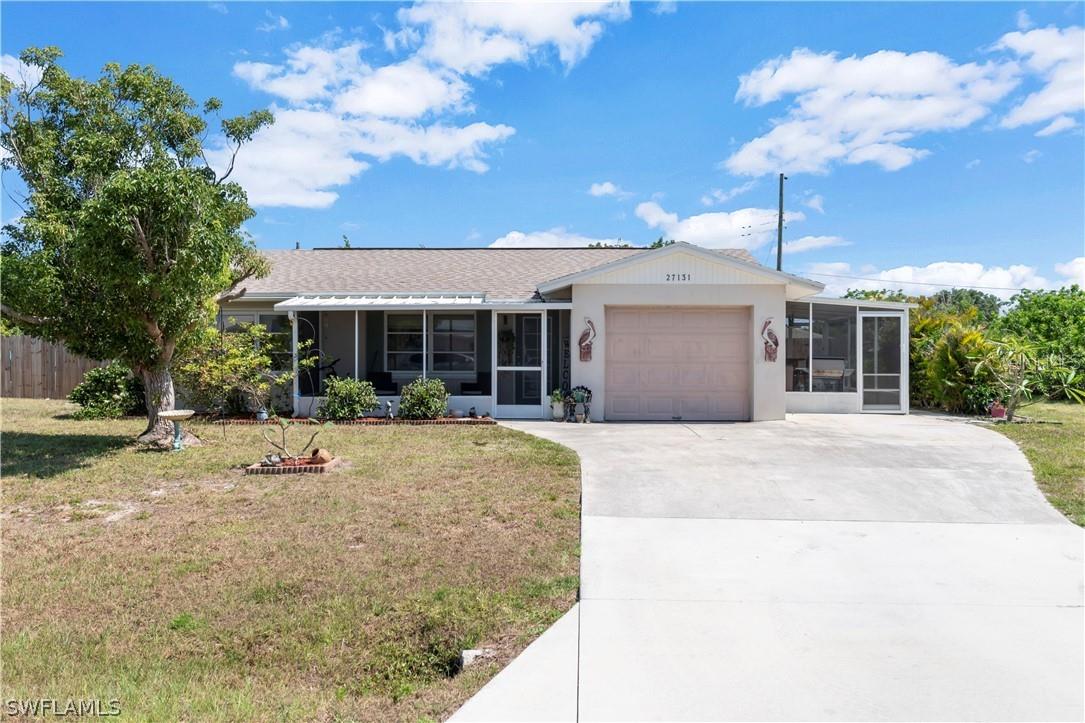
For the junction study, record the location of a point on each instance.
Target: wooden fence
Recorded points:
(38, 369)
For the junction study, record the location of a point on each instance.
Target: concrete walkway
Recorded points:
(849, 567)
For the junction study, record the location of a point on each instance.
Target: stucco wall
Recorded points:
(767, 300)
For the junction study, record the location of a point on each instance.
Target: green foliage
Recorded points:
(346, 398)
(108, 392)
(660, 243)
(234, 371)
(128, 236)
(951, 378)
(423, 399)
(961, 301)
(1019, 368)
(1055, 322)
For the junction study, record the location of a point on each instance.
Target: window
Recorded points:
(833, 355)
(797, 347)
(404, 333)
(452, 343)
(821, 353)
(278, 327)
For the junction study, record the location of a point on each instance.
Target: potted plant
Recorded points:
(557, 405)
(581, 398)
(998, 410)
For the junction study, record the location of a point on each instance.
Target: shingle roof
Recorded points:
(500, 273)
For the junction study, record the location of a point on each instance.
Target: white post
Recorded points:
(293, 316)
(545, 349)
(355, 345)
(493, 363)
(425, 342)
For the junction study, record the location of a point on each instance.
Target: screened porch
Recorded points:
(501, 362)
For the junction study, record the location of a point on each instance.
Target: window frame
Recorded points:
(432, 352)
(421, 351)
(811, 320)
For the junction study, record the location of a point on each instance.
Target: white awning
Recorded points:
(428, 300)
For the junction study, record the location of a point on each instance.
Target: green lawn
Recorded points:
(187, 590)
(1056, 452)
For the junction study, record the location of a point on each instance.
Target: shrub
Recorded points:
(951, 378)
(108, 392)
(346, 398)
(234, 371)
(423, 399)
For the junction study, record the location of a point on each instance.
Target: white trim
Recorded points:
(348, 303)
(678, 247)
(292, 316)
(425, 335)
(903, 342)
(522, 411)
(355, 345)
(862, 302)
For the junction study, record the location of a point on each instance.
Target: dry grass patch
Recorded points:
(187, 590)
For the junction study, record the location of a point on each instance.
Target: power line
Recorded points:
(891, 282)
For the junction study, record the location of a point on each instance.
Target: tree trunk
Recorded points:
(158, 387)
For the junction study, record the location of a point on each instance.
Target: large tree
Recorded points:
(128, 237)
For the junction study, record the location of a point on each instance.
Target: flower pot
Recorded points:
(998, 411)
(557, 409)
(261, 415)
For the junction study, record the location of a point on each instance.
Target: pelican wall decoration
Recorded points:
(772, 343)
(586, 338)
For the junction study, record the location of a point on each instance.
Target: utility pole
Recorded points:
(780, 228)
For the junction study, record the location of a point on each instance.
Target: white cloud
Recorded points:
(815, 201)
(862, 109)
(1023, 21)
(974, 163)
(1031, 156)
(746, 228)
(432, 145)
(473, 37)
(1073, 271)
(309, 73)
(404, 90)
(274, 22)
(1060, 124)
(219, 8)
(1057, 56)
(341, 108)
(665, 7)
(997, 280)
(19, 72)
(718, 195)
(813, 243)
(556, 237)
(295, 161)
(307, 152)
(608, 188)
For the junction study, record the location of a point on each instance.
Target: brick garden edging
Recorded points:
(367, 421)
(293, 469)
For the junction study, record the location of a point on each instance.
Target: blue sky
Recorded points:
(923, 143)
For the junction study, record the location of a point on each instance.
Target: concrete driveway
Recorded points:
(844, 567)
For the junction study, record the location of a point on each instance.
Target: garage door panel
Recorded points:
(690, 363)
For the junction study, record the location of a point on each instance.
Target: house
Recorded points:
(674, 333)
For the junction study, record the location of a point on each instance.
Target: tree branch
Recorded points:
(230, 168)
(144, 247)
(19, 316)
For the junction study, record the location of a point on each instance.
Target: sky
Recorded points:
(923, 144)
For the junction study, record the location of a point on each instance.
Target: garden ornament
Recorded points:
(586, 338)
(772, 343)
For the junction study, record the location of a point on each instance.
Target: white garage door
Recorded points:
(677, 363)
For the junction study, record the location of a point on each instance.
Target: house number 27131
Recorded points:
(679, 277)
